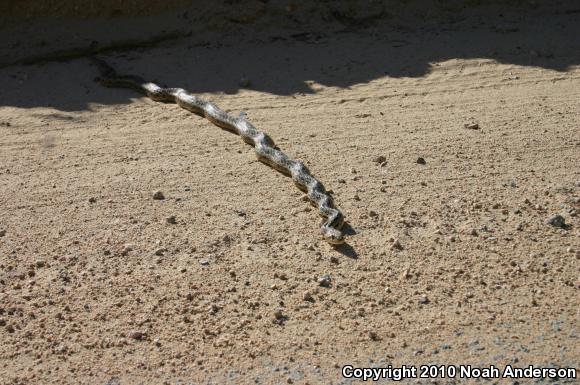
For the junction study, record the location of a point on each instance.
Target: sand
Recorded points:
(448, 262)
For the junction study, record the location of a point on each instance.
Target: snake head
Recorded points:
(332, 235)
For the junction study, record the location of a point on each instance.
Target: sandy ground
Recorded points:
(448, 262)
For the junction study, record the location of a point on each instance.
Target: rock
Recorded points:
(325, 281)
(158, 195)
(2, 233)
(379, 159)
(137, 335)
(373, 335)
(160, 251)
(126, 249)
(557, 221)
(396, 245)
(471, 126)
(334, 260)
(279, 315)
(307, 296)
(171, 220)
(373, 213)
(92, 200)
(421, 160)
(424, 300)
(204, 262)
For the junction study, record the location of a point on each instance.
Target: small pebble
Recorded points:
(334, 260)
(397, 245)
(373, 213)
(557, 221)
(421, 160)
(158, 195)
(325, 281)
(126, 249)
(171, 220)
(373, 335)
(307, 296)
(2, 233)
(137, 335)
(279, 315)
(92, 200)
(159, 252)
(204, 262)
(424, 300)
(471, 126)
(379, 159)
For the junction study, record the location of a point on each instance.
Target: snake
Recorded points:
(266, 150)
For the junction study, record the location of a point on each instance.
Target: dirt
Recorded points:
(223, 278)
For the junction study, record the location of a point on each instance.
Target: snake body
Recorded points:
(264, 146)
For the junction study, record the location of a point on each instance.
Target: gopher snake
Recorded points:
(266, 150)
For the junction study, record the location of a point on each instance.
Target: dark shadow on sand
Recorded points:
(346, 249)
(289, 63)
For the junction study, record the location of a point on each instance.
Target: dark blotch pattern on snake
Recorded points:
(266, 150)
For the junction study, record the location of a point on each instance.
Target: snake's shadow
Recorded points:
(346, 249)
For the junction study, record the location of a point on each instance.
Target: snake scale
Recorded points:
(264, 146)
